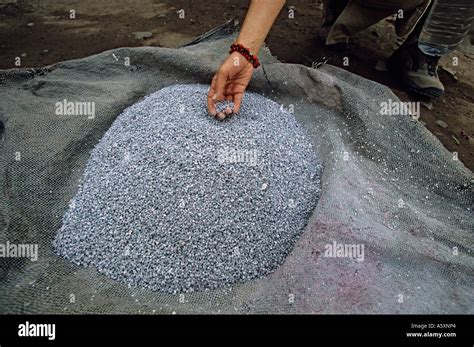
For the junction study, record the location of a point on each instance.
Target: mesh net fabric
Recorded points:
(372, 162)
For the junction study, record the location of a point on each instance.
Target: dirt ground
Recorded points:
(42, 33)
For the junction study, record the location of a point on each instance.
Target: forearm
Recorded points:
(257, 23)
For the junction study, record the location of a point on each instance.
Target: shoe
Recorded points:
(417, 71)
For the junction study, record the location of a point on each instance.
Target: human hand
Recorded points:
(229, 83)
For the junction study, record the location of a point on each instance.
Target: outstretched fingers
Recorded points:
(211, 106)
(221, 90)
(237, 102)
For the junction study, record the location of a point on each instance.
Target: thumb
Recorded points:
(219, 85)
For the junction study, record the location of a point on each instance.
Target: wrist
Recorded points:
(252, 46)
(238, 59)
(245, 53)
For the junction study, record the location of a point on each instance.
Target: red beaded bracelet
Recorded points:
(237, 47)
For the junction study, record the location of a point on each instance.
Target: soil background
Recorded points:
(41, 32)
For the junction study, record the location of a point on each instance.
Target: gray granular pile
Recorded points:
(176, 201)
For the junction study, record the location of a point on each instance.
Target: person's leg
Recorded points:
(358, 15)
(417, 71)
(442, 27)
(331, 11)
